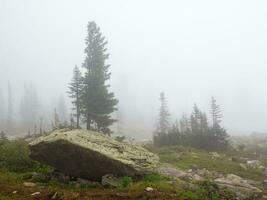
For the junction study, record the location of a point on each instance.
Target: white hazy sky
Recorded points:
(190, 49)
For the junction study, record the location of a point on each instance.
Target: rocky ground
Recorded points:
(166, 173)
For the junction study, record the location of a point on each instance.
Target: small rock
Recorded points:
(60, 177)
(54, 196)
(77, 185)
(261, 167)
(194, 167)
(253, 163)
(39, 177)
(29, 184)
(83, 181)
(243, 166)
(239, 159)
(15, 192)
(35, 193)
(110, 180)
(179, 155)
(215, 155)
(197, 177)
(172, 172)
(149, 189)
(265, 184)
(204, 172)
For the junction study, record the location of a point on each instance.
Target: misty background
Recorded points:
(187, 49)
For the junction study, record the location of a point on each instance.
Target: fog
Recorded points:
(191, 50)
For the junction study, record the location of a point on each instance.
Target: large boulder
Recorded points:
(91, 155)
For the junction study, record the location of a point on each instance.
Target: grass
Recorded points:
(16, 167)
(2, 197)
(186, 158)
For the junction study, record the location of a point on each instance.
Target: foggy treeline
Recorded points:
(194, 131)
(28, 114)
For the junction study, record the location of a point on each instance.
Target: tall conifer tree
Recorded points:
(98, 102)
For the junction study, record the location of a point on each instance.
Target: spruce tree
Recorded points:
(75, 92)
(195, 120)
(203, 122)
(216, 113)
(163, 115)
(98, 103)
(184, 124)
(219, 134)
(161, 134)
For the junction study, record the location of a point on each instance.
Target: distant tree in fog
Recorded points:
(164, 115)
(195, 132)
(75, 93)
(163, 122)
(9, 107)
(98, 103)
(199, 121)
(62, 109)
(216, 113)
(3, 137)
(184, 124)
(29, 107)
(56, 122)
(219, 133)
(195, 119)
(203, 122)
(2, 108)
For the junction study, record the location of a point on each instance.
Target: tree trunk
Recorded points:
(78, 120)
(88, 122)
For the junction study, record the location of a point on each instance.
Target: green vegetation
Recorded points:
(207, 191)
(16, 167)
(187, 158)
(14, 156)
(126, 181)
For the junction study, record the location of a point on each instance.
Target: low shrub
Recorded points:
(126, 181)
(14, 156)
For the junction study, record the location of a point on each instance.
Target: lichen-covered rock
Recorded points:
(172, 172)
(239, 186)
(110, 180)
(91, 155)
